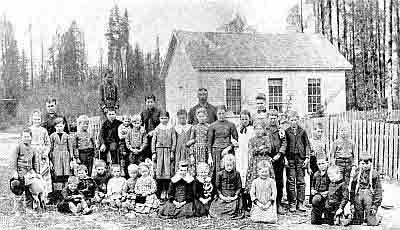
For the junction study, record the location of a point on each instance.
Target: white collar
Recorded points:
(188, 178)
(180, 128)
(204, 180)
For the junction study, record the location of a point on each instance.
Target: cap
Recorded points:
(261, 96)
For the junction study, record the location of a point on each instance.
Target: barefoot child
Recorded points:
(263, 195)
(84, 144)
(319, 191)
(180, 194)
(203, 190)
(123, 130)
(73, 201)
(136, 141)
(130, 196)
(145, 190)
(101, 178)
(115, 188)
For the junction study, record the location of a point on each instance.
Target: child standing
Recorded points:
(145, 189)
(317, 143)
(338, 195)
(199, 141)
(136, 141)
(130, 196)
(101, 178)
(61, 155)
(73, 201)
(366, 192)
(41, 143)
(87, 186)
(297, 153)
(203, 189)
(319, 191)
(183, 130)
(163, 145)
(180, 194)
(228, 203)
(109, 140)
(84, 144)
(123, 130)
(115, 188)
(263, 195)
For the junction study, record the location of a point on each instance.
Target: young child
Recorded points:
(87, 186)
(84, 144)
(23, 161)
(341, 152)
(115, 188)
(180, 194)
(317, 143)
(228, 203)
(259, 150)
(297, 154)
(130, 196)
(183, 130)
(319, 191)
(101, 178)
(136, 141)
(263, 195)
(199, 141)
(338, 195)
(366, 192)
(163, 145)
(123, 130)
(203, 189)
(41, 143)
(73, 201)
(220, 134)
(61, 155)
(145, 189)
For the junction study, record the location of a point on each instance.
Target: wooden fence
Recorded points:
(376, 115)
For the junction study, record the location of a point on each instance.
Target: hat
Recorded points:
(272, 112)
(261, 96)
(16, 187)
(365, 156)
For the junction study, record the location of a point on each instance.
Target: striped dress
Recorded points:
(199, 150)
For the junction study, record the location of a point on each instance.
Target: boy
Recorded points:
(23, 162)
(123, 130)
(108, 93)
(87, 186)
(115, 188)
(366, 192)
(136, 141)
(338, 195)
(84, 144)
(109, 139)
(101, 178)
(261, 109)
(297, 154)
(319, 190)
(150, 120)
(73, 200)
(51, 116)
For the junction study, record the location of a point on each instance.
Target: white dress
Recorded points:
(242, 153)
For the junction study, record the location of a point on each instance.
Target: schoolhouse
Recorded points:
(295, 70)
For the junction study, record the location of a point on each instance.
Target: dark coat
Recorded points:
(109, 132)
(150, 119)
(49, 123)
(297, 144)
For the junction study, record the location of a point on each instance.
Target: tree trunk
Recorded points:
(338, 24)
(322, 11)
(379, 55)
(345, 30)
(384, 74)
(330, 20)
(390, 54)
(354, 55)
(397, 51)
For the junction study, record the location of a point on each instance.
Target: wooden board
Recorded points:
(396, 151)
(390, 152)
(381, 146)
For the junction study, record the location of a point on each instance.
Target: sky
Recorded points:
(148, 18)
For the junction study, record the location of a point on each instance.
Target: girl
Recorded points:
(203, 190)
(145, 189)
(219, 138)
(116, 188)
(199, 141)
(180, 194)
(61, 155)
(84, 144)
(136, 141)
(73, 200)
(123, 130)
(41, 143)
(183, 131)
(163, 146)
(263, 195)
(129, 202)
(228, 203)
(259, 148)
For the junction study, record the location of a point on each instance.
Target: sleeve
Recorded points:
(70, 145)
(14, 158)
(145, 143)
(171, 192)
(153, 187)
(35, 161)
(66, 196)
(273, 190)
(102, 135)
(353, 188)
(120, 130)
(110, 187)
(332, 151)
(191, 116)
(214, 113)
(210, 134)
(377, 194)
(128, 140)
(192, 134)
(355, 156)
(142, 118)
(283, 140)
(234, 132)
(253, 195)
(218, 183)
(51, 149)
(116, 102)
(75, 148)
(46, 140)
(238, 184)
(307, 145)
(137, 188)
(345, 196)
(314, 181)
(153, 142)
(197, 190)
(173, 138)
(66, 127)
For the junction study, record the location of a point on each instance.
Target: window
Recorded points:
(233, 96)
(314, 94)
(275, 94)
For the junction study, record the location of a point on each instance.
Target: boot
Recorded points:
(292, 208)
(280, 210)
(300, 207)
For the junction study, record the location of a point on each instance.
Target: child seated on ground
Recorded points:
(203, 190)
(129, 200)
(228, 203)
(180, 194)
(338, 195)
(101, 178)
(115, 188)
(319, 190)
(73, 201)
(366, 192)
(145, 190)
(86, 185)
(263, 195)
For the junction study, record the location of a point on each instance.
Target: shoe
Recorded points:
(87, 211)
(301, 207)
(292, 208)
(280, 210)
(73, 208)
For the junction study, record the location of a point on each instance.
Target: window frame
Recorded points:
(314, 96)
(275, 95)
(233, 95)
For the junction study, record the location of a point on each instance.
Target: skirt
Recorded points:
(226, 209)
(150, 205)
(266, 216)
(201, 209)
(163, 163)
(169, 210)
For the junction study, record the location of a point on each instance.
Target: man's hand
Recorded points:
(305, 163)
(15, 175)
(103, 148)
(281, 133)
(153, 157)
(276, 157)
(339, 211)
(210, 161)
(313, 192)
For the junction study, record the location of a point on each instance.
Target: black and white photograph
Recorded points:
(199, 114)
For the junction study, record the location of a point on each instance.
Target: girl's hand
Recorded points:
(210, 161)
(103, 148)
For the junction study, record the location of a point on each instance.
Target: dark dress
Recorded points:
(67, 195)
(180, 189)
(109, 137)
(102, 181)
(87, 187)
(203, 189)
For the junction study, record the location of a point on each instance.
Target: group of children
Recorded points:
(182, 170)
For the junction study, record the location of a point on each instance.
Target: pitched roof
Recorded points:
(245, 51)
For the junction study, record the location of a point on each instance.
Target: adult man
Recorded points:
(108, 138)
(108, 93)
(150, 119)
(202, 95)
(278, 149)
(49, 118)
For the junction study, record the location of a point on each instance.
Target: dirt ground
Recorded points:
(109, 220)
